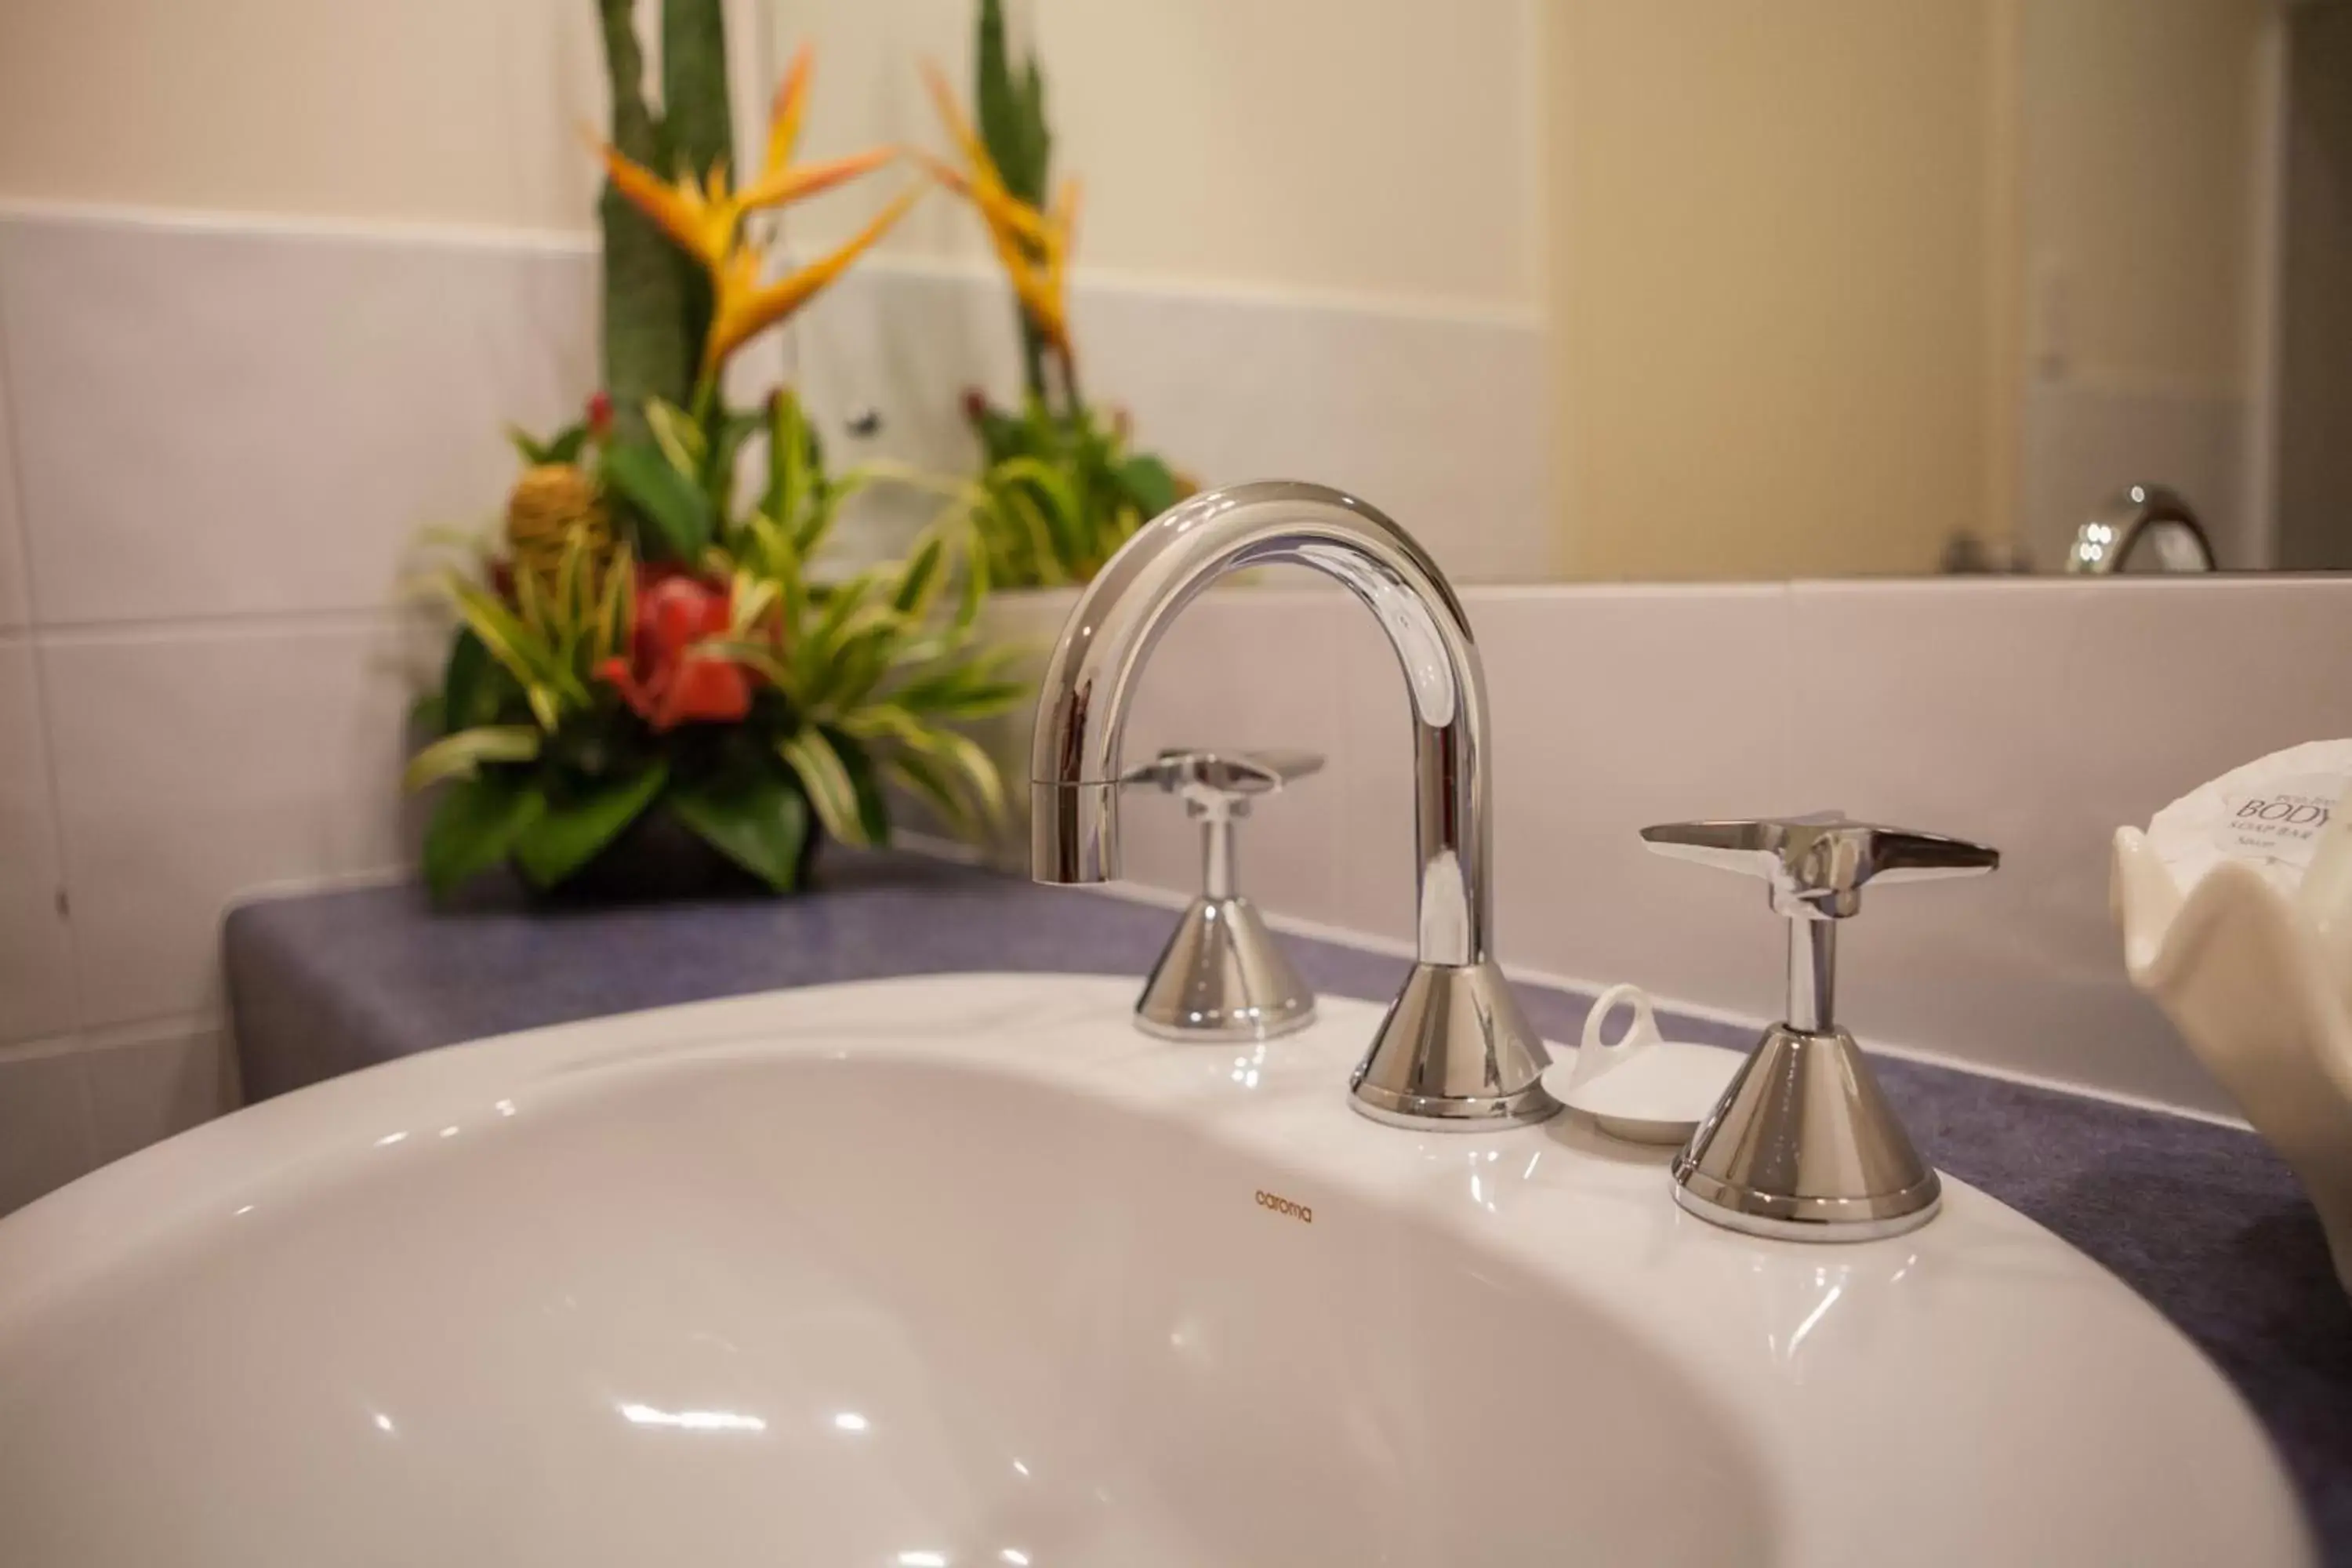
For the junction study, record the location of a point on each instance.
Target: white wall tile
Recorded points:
(16, 605)
(2038, 717)
(45, 1132)
(1610, 708)
(144, 1089)
(1945, 706)
(212, 423)
(37, 993)
(195, 766)
(1441, 422)
(1614, 709)
(1243, 668)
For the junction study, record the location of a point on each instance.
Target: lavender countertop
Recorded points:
(2201, 1220)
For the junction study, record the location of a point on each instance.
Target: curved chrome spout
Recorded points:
(2160, 515)
(1455, 1050)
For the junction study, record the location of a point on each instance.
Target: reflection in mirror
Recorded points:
(1843, 287)
(1685, 289)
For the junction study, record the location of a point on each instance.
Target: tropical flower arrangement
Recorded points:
(1062, 487)
(643, 644)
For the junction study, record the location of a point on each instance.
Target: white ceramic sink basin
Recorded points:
(965, 1271)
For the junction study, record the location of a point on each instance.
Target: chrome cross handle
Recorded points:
(1222, 976)
(1817, 865)
(1223, 780)
(1217, 788)
(1803, 1145)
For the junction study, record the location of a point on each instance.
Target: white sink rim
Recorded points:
(1556, 1201)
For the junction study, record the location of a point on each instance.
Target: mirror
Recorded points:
(1690, 289)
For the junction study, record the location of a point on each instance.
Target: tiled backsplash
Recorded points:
(219, 445)
(2035, 715)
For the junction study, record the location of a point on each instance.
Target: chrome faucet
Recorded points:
(1454, 1050)
(2160, 515)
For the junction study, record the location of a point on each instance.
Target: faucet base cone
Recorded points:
(1803, 1147)
(1454, 1055)
(1223, 977)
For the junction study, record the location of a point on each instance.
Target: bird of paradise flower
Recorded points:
(1033, 244)
(707, 221)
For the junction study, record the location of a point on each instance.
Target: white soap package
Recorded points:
(2236, 906)
(2270, 813)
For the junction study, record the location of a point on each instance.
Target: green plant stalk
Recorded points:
(1012, 112)
(700, 124)
(647, 353)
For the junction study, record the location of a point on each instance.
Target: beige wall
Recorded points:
(447, 111)
(1773, 282)
(1382, 148)
(1219, 145)
(2140, 126)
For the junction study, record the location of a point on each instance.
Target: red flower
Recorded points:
(600, 414)
(975, 406)
(668, 679)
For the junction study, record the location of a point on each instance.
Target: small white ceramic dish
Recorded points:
(1640, 1087)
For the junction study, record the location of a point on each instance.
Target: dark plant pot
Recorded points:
(655, 859)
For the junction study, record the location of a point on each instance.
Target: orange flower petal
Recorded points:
(785, 117)
(781, 186)
(945, 173)
(655, 197)
(1064, 219)
(702, 229)
(943, 98)
(747, 308)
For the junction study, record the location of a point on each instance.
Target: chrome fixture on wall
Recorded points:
(2154, 514)
(1455, 1050)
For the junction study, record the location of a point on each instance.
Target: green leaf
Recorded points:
(567, 444)
(544, 678)
(475, 826)
(457, 755)
(920, 580)
(799, 498)
(679, 439)
(1001, 435)
(1149, 483)
(935, 785)
(1011, 109)
(759, 821)
(729, 430)
(826, 779)
(469, 693)
(680, 513)
(873, 805)
(966, 761)
(564, 446)
(529, 447)
(567, 835)
(972, 593)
